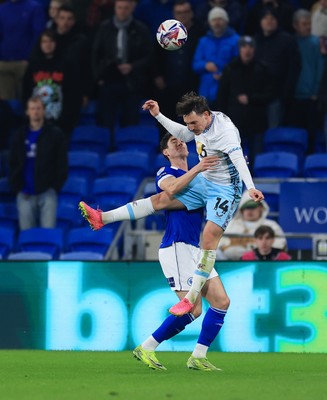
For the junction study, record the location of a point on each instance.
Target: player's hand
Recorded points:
(256, 195)
(152, 106)
(208, 163)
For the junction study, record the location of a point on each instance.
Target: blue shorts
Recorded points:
(220, 201)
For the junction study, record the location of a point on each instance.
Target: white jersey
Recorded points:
(221, 138)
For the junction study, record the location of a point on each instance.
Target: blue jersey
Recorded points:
(181, 225)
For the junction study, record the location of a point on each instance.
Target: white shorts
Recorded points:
(178, 263)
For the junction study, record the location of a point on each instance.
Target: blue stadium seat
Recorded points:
(271, 192)
(81, 256)
(45, 240)
(9, 216)
(315, 166)
(288, 139)
(84, 239)
(138, 137)
(277, 164)
(114, 191)
(89, 113)
(85, 164)
(7, 240)
(133, 164)
(30, 256)
(90, 138)
(17, 107)
(68, 216)
(320, 142)
(74, 190)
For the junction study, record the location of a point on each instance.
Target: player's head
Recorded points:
(264, 238)
(172, 148)
(195, 112)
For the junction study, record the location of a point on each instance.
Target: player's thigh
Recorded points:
(178, 263)
(215, 293)
(222, 203)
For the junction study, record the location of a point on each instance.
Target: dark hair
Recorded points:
(67, 8)
(192, 102)
(181, 3)
(50, 34)
(164, 142)
(262, 230)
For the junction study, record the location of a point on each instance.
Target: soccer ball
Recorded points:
(171, 34)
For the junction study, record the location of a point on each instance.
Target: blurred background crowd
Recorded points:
(74, 73)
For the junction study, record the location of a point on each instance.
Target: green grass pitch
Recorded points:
(49, 375)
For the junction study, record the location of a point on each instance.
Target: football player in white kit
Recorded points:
(178, 255)
(218, 189)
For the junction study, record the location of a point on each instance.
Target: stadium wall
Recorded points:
(101, 306)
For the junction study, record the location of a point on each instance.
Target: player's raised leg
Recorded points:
(131, 211)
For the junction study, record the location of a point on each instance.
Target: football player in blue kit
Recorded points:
(218, 189)
(178, 255)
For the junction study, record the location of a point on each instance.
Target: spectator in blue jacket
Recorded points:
(214, 50)
(303, 111)
(21, 23)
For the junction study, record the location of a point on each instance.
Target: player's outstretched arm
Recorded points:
(176, 129)
(174, 185)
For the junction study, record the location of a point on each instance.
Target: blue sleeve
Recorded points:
(199, 60)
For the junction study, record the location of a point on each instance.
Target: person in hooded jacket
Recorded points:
(213, 52)
(248, 217)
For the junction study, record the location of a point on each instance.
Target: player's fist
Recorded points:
(256, 195)
(152, 106)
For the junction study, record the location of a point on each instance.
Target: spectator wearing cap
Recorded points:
(278, 50)
(244, 93)
(303, 112)
(249, 216)
(234, 9)
(283, 9)
(214, 51)
(264, 250)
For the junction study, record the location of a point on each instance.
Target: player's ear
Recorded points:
(165, 152)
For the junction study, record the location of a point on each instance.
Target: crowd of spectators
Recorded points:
(262, 62)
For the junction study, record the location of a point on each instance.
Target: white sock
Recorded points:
(131, 211)
(200, 351)
(150, 343)
(201, 274)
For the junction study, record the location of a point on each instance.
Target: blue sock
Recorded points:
(211, 325)
(172, 326)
